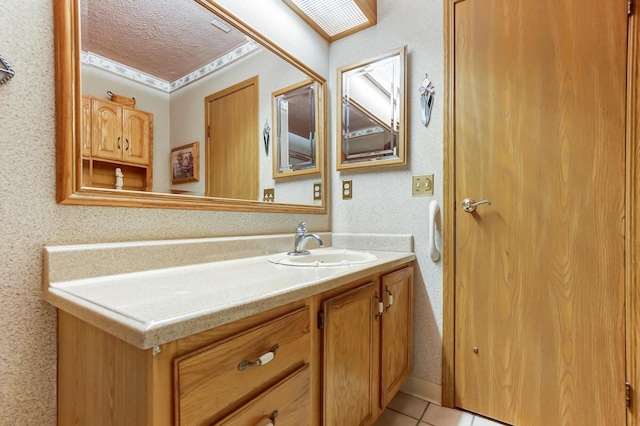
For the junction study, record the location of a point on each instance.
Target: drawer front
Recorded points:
(210, 382)
(286, 404)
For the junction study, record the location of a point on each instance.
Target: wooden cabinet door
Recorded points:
(397, 332)
(106, 129)
(351, 340)
(136, 136)
(85, 139)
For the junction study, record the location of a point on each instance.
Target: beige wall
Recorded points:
(382, 200)
(30, 217)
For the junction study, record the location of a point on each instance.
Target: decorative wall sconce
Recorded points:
(5, 71)
(427, 91)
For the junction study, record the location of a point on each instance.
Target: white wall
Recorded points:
(30, 217)
(187, 118)
(382, 200)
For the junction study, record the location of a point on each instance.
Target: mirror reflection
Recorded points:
(162, 74)
(372, 126)
(295, 130)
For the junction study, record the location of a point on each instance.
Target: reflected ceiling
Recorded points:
(172, 39)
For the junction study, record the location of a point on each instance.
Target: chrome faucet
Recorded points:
(301, 240)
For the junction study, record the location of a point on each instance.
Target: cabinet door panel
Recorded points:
(106, 129)
(397, 332)
(136, 134)
(290, 399)
(86, 126)
(351, 340)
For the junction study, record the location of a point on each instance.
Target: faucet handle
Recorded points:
(302, 228)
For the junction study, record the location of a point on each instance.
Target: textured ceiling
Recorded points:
(165, 38)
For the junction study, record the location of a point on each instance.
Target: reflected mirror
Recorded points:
(372, 129)
(151, 76)
(294, 113)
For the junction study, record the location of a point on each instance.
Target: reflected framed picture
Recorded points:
(185, 163)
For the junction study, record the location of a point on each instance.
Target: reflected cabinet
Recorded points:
(115, 136)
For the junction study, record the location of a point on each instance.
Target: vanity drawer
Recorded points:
(210, 382)
(288, 403)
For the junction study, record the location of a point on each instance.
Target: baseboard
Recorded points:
(423, 389)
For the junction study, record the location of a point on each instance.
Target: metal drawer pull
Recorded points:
(390, 298)
(264, 359)
(272, 420)
(380, 307)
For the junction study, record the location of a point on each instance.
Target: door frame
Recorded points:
(632, 225)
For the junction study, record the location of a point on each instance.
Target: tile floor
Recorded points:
(407, 410)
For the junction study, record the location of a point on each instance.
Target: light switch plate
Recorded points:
(422, 185)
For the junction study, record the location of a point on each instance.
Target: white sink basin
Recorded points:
(325, 257)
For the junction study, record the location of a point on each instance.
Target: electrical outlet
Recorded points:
(347, 189)
(269, 194)
(317, 191)
(422, 185)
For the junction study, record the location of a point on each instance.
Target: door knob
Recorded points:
(469, 206)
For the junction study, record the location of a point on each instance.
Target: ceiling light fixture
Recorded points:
(334, 19)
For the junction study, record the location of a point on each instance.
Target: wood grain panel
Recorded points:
(539, 131)
(208, 382)
(397, 332)
(136, 135)
(106, 129)
(290, 399)
(351, 338)
(88, 392)
(632, 222)
(232, 150)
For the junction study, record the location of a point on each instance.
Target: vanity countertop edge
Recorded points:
(154, 307)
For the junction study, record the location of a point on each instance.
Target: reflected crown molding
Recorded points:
(100, 62)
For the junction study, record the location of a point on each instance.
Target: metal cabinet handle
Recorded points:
(272, 420)
(390, 298)
(262, 360)
(380, 307)
(469, 205)
(127, 148)
(118, 142)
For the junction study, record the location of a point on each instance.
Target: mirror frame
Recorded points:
(402, 133)
(276, 128)
(69, 127)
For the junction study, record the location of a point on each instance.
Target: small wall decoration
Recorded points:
(427, 91)
(5, 71)
(266, 135)
(185, 163)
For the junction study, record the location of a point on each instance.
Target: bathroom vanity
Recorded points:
(229, 342)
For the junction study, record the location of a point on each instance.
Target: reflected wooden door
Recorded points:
(539, 99)
(232, 152)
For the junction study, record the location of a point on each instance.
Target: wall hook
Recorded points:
(5, 71)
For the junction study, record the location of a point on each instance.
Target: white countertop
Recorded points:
(150, 308)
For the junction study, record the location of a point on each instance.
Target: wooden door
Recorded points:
(539, 124)
(232, 152)
(350, 343)
(106, 130)
(137, 130)
(397, 332)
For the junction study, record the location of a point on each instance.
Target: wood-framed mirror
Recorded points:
(295, 150)
(372, 123)
(114, 111)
